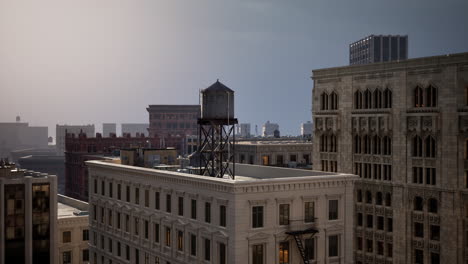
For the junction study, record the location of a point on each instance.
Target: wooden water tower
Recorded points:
(216, 135)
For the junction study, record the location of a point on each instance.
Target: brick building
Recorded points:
(402, 127)
(173, 120)
(81, 148)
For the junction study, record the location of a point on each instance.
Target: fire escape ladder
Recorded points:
(301, 248)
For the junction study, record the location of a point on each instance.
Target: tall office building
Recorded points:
(244, 130)
(378, 48)
(173, 120)
(403, 128)
(306, 129)
(268, 129)
(28, 216)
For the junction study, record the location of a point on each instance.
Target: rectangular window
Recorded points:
(370, 245)
(222, 253)
(194, 209)
(418, 230)
(370, 221)
(118, 220)
(127, 193)
(380, 248)
(103, 188)
(111, 190)
(207, 249)
(85, 255)
(94, 212)
(208, 212)
(119, 253)
(136, 225)
(418, 256)
(284, 253)
(137, 196)
(257, 216)
(127, 223)
(389, 224)
(147, 198)
(156, 200)
(284, 214)
(119, 191)
(193, 245)
(95, 186)
(435, 259)
(309, 248)
(180, 240)
(359, 219)
(109, 244)
(156, 233)
(333, 244)
(389, 250)
(257, 254)
(222, 215)
(109, 217)
(380, 223)
(102, 215)
(435, 232)
(146, 229)
(85, 235)
(168, 203)
(181, 206)
(309, 212)
(66, 237)
(332, 209)
(66, 257)
(168, 237)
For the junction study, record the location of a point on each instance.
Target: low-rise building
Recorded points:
(61, 132)
(264, 215)
(282, 153)
(73, 231)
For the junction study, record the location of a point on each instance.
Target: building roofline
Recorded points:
(431, 61)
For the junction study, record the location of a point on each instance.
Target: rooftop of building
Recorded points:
(69, 207)
(272, 142)
(402, 65)
(244, 174)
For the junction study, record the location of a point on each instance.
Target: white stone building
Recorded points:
(28, 216)
(61, 130)
(306, 129)
(72, 230)
(140, 215)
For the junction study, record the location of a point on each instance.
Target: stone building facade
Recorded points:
(141, 215)
(403, 128)
(173, 120)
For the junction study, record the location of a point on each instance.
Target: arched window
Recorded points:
(368, 197)
(377, 145)
(430, 147)
(367, 144)
(377, 98)
(357, 144)
(367, 99)
(387, 145)
(324, 101)
(417, 146)
(387, 98)
(418, 97)
(379, 199)
(334, 101)
(358, 100)
(388, 199)
(431, 96)
(432, 206)
(418, 203)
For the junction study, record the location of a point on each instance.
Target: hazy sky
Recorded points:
(95, 61)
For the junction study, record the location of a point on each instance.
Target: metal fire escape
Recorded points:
(297, 237)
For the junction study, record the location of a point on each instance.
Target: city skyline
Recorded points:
(59, 68)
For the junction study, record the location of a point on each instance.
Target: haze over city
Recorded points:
(85, 62)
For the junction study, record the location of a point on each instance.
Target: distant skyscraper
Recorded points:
(108, 128)
(61, 131)
(268, 129)
(244, 130)
(306, 129)
(378, 48)
(133, 129)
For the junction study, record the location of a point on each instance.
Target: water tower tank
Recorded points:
(217, 102)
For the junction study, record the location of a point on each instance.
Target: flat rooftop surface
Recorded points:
(268, 142)
(243, 173)
(64, 210)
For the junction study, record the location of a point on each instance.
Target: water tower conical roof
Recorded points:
(217, 87)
